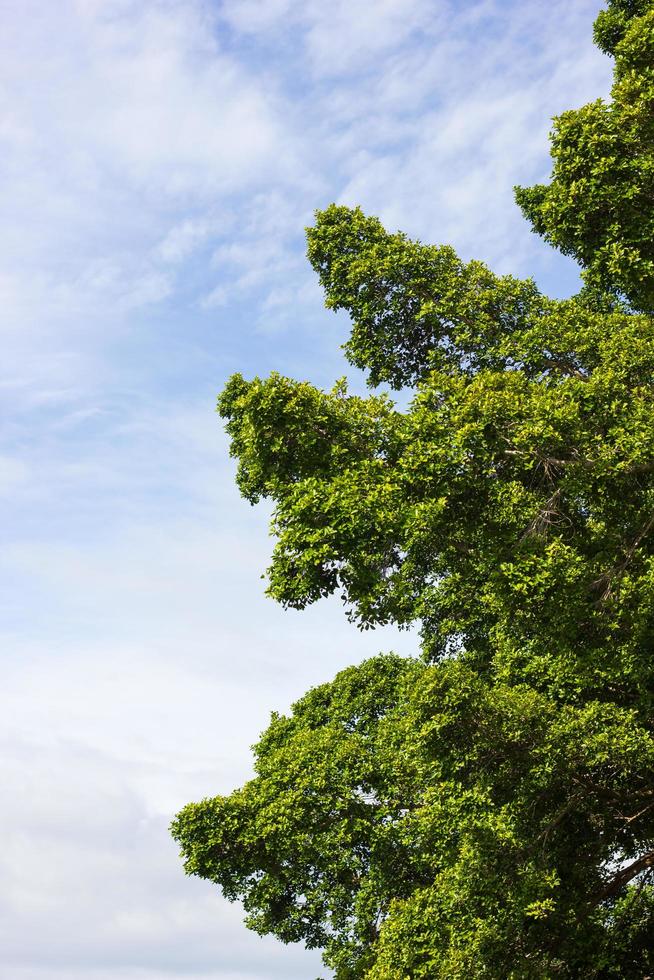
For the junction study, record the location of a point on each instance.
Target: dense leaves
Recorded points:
(612, 24)
(417, 822)
(598, 205)
(414, 307)
(486, 810)
(521, 472)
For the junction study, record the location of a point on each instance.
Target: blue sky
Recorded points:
(160, 159)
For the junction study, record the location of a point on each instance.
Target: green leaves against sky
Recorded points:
(486, 810)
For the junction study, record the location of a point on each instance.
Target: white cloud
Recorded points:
(345, 37)
(14, 473)
(340, 38)
(183, 238)
(111, 136)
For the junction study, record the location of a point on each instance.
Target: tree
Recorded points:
(486, 810)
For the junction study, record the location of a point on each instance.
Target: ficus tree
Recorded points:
(485, 809)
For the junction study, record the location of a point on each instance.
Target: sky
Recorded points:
(159, 162)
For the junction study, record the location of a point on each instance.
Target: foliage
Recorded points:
(488, 810)
(598, 205)
(521, 471)
(417, 822)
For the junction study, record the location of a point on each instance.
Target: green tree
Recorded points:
(486, 810)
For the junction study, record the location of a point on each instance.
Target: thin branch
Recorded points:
(560, 816)
(560, 365)
(551, 463)
(608, 577)
(548, 515)
(640, 813)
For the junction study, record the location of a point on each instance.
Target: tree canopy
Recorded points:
(485, 809)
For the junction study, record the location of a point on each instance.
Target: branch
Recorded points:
(640, 813)
(624, 876)
(560, 816)
(567, 369)
(548, 515)
(607, 578)
(554, 462)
